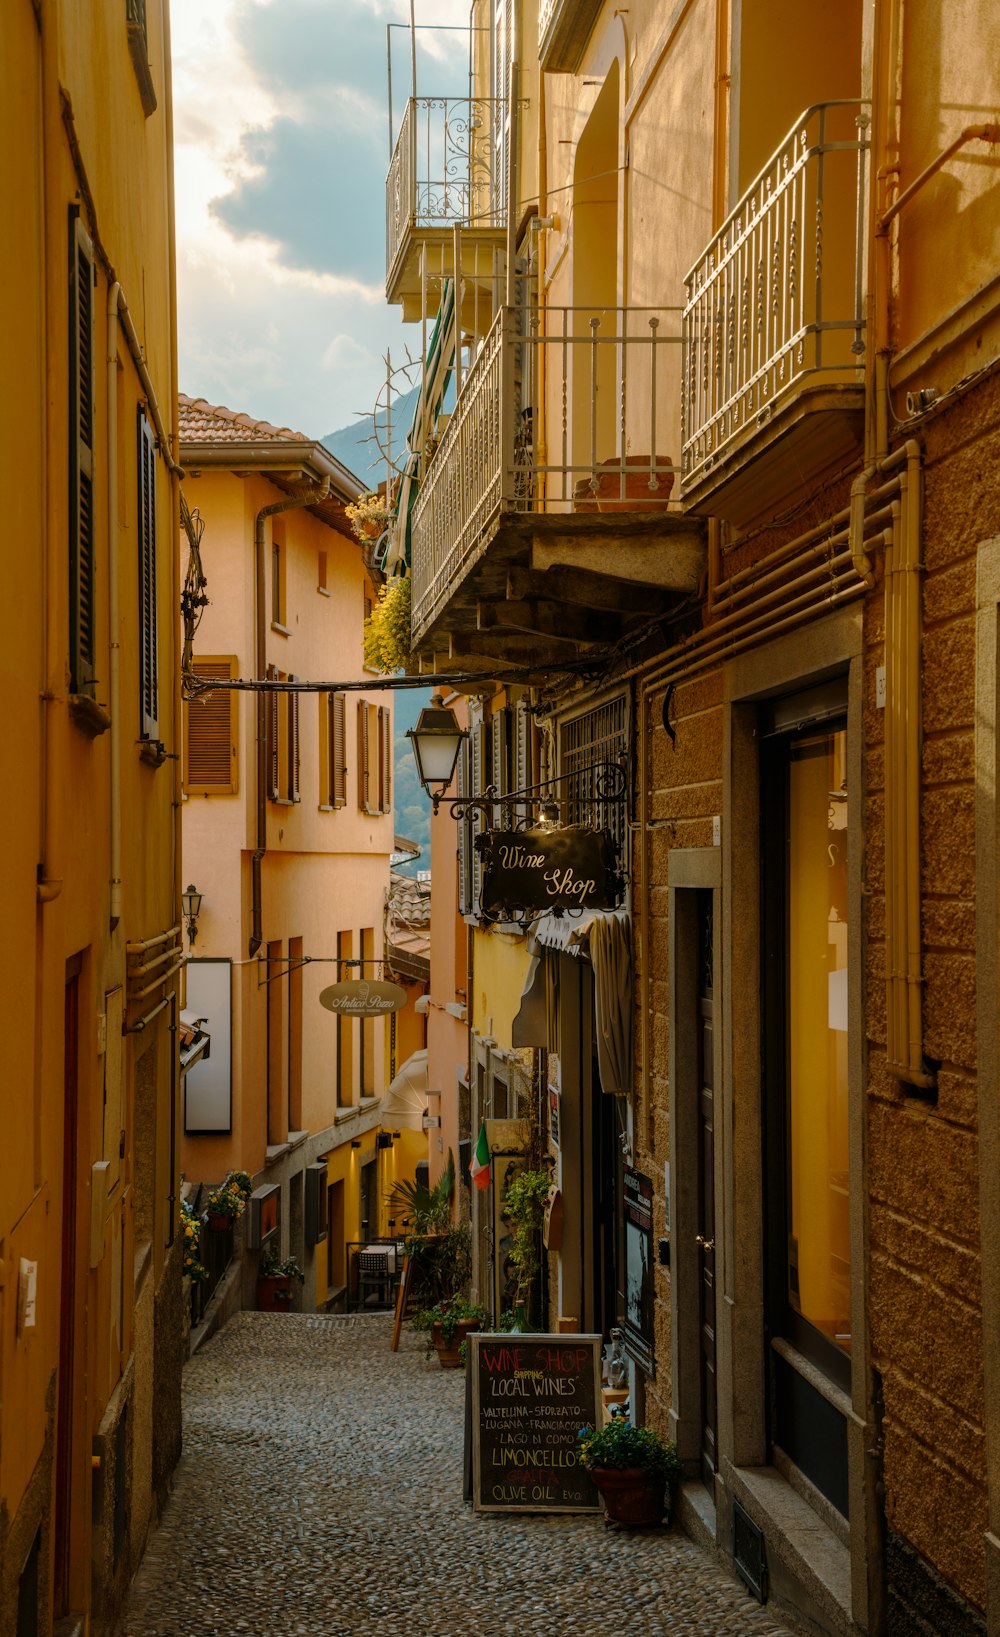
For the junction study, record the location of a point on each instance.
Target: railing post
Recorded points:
(506, 405)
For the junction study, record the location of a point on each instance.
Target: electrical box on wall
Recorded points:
(317, 1222)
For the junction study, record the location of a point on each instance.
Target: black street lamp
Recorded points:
(191, 908)
(437, 740)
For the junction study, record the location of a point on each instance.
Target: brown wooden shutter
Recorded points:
(364, 760)
(273, 708)
(339, 749)
(82, 634)
(210, 760)
(148, 685)
(294, 759)
(385, 759)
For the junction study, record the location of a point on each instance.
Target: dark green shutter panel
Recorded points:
(148, 686)
(82, 636)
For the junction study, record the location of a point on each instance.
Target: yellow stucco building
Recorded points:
(91, 1332)
(710, 488)
(288, 831)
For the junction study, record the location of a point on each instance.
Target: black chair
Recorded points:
(374, 1279)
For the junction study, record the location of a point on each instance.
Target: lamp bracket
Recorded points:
(610, 787)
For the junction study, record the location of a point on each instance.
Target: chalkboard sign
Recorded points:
(531, 1394)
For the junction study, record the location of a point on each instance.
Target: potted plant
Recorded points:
(447, 1324)
(226, 1202)
(274, 1281)
(192, 1266)
(634, 1469)
(368, 516)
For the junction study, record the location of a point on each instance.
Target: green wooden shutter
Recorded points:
(82, 634)
(148, 684)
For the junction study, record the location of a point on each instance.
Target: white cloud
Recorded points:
(297, 346)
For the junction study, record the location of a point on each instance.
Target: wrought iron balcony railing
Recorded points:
(447, 168)
(609, 383)
(776, 301)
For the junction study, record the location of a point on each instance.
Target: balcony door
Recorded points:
(594, 363)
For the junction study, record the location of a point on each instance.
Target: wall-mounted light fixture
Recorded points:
(191, 909)
(436, 740)
(355, 1142)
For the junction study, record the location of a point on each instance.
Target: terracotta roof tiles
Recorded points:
(202, 422)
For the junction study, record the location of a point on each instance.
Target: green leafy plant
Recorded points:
(622, 1446)
(272, 1266)
(524, 1208)
(425, 1210)
(448, 1314)
(191, 1230)
(387, 628)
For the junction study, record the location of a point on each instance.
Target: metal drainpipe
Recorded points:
(260, 664)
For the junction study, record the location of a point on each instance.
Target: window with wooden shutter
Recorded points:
(294, 760)
(362, 756)
(464, 837)
(480, 780)
(210, 725)
(385, 760)
(338, 707)
(82, 635)
(273, 738)
(148, 685)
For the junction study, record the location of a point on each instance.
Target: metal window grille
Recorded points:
(599, 735)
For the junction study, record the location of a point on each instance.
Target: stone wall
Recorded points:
(924, 1232)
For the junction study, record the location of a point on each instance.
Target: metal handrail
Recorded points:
(618, 394)
(446, 168)
(768, 303)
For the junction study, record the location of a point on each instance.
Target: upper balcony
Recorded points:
(774, 325)
(524, 550)
(564, 27)
(446, 196)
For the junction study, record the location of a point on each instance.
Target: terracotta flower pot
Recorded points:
(631, 1495)
(274, 1293)
(623, 489)
(219, 1222)
(449, 1352)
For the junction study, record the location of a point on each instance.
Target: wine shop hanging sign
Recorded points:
(574, 868)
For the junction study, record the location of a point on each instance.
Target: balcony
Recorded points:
(774, 327)
(564, 27)
(446, 201)
(522, 550)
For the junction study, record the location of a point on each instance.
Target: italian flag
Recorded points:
(479, 1169)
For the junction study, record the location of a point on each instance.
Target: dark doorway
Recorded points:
(706, 1185)
(67, 1306)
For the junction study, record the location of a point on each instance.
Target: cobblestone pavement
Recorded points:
(320, 1491)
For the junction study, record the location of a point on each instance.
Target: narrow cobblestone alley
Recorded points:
(320, 1491)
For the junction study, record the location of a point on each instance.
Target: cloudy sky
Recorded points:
(282, 146)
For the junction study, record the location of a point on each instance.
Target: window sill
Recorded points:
(87, 715)
(346, 1112)
(325, 807)
(282, 630)
(323, 591)
(281, 801)
(153, 752)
